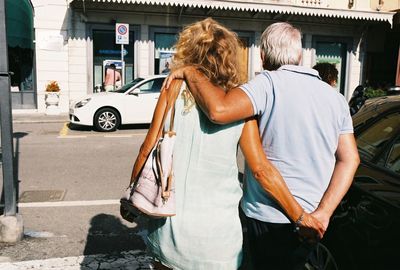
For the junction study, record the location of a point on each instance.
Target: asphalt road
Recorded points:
(84, 167)
(88, 165)
(70, 182)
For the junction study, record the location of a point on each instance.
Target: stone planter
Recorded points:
(52, 100)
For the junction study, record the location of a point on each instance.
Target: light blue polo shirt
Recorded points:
(300, 120)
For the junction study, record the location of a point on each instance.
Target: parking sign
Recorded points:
(122, 33)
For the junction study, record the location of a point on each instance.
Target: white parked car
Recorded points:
(133, 103)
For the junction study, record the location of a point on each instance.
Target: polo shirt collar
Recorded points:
(301, 69)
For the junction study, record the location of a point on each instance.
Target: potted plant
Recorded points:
(372, 93)
(52, 97)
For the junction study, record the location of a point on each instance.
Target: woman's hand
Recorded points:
(179, 73)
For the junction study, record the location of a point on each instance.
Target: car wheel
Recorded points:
(321, 259)
(106, 120)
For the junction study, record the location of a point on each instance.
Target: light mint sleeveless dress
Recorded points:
(206, 233)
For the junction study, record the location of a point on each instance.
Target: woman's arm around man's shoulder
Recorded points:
(220, 106)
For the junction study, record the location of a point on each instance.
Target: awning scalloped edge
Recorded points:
(263, 7)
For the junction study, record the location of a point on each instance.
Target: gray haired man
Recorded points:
(306, 132)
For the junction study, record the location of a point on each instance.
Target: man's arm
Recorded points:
(347, 161)
(220, 106)
(273, 183)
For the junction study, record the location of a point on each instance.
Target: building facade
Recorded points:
(75, 38)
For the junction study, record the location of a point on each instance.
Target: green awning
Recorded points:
(19, 21)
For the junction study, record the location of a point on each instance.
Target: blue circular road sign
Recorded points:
(122, 30)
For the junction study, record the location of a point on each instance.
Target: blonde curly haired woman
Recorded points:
(206, 232)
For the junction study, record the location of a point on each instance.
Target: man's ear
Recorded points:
(262, 55)
(300, 58)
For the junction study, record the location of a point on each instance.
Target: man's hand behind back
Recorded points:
(321, 217)
(311, 229)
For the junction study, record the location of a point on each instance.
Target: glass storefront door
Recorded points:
(335, 52)
(104, 48)
(164, 40)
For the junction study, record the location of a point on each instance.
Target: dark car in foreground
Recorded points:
(364, 232)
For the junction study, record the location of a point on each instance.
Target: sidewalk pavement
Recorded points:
(131, 260)
(35, 117)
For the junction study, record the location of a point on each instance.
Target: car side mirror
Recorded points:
(135, 92)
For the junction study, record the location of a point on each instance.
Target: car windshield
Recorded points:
(128, 86)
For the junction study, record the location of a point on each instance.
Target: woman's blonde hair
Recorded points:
(211, 48)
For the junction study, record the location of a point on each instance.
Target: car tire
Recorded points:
(106, 120)
(321, 259)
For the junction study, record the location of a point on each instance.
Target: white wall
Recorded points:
(78, 71)
(51, 35)
(144, 51)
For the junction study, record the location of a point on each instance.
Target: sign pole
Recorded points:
(122, 37)
(123, 65)
(10, 196)
(11, 223)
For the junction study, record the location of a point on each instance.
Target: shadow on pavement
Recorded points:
(134, 126)
(1, 183)
(107, 235)
(79, 128)
(122, 127)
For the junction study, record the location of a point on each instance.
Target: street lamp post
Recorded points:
(11, 228)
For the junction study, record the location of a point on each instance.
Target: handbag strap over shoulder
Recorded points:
(169, 131)
(170, 109)
(158, 126)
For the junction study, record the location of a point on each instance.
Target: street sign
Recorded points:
(122, 33)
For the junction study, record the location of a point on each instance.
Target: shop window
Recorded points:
(20, 36)
(106, 51)
(334, 51)
(21, 65)
(164, 41)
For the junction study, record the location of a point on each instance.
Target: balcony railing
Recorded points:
(311, 3)
(304, 3)
(360, 5)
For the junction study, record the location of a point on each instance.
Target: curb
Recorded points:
(39, 121)
(29, 118)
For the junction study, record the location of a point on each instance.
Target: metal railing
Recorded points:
(307, 3)
(311, 3)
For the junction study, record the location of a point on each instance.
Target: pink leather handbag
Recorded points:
(153, 193)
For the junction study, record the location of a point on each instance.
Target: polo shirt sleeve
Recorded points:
(347, 121)
(256, 90)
